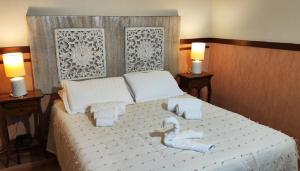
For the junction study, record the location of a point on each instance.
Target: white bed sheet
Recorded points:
(133, 143)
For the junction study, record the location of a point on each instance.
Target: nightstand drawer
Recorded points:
(27, 104)
(21, 109)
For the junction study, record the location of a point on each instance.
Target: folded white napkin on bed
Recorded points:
(189, 108)
(184, 140)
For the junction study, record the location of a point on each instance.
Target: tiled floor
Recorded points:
(31, 161)
(44, 165)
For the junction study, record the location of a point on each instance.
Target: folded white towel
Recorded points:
(106, 116)
(184, 140)
(106, 113)
(120, 107)
(190, 108)
(104, 122)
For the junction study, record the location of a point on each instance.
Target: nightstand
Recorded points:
(20, 106)
(189, 81)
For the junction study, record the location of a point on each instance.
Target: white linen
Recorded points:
(152, 85)
(120, 107)
(183, 140)
(134, 144)
(189, 108)
(81, 94)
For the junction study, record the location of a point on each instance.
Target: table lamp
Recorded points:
(197, 56)
(14, 68)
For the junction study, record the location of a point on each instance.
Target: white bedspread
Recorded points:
(134, 142)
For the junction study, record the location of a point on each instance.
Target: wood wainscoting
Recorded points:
(259, 83)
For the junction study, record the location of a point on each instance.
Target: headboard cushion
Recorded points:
(42, 42)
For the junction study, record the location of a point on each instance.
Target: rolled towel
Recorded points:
(189, 113)
(190, 108)
(120, 107)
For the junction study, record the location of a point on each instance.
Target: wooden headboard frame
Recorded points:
(42, 42)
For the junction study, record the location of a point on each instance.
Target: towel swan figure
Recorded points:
(183, 140)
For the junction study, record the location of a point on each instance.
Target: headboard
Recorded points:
(43, 48)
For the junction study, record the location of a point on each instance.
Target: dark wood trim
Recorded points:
(22, 49)
(258, 44)
(185, 48)
(189, 41)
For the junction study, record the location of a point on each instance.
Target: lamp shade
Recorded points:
(13, 64)
(198, 50)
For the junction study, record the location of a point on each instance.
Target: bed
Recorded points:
(134, 142)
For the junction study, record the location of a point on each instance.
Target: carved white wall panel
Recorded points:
(144, 48)
(80, 53)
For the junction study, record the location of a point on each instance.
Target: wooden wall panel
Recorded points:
(259, 83)
(42, 44)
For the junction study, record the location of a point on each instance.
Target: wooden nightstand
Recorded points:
(22, 106)
(189, 81)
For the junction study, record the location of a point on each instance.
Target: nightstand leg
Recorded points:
(5, 138)
(42, 130)
(199, 92)
(208, 92)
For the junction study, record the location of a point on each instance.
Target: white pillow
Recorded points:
(152, 85)
(81, 94)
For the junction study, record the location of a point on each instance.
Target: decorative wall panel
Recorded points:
(144, 48)
(42, 42)
(80, 53)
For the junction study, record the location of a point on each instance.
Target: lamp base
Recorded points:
(18, 87)
(196, 67)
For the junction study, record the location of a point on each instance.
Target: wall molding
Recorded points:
(249, 43)
(257, 44)
(22, 49)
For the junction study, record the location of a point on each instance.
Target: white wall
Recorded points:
(261, 20)
(195, 14)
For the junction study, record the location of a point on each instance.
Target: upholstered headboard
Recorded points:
(43, 46)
